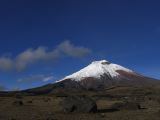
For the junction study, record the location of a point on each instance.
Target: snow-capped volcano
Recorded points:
(98, 75)
(102, 74)
(97, 69)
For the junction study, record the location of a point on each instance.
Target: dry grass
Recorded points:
(47, 107)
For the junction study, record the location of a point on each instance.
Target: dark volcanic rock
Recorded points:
(18, 103)
(79, 104)
(125, 106)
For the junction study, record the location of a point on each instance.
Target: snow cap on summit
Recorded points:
(97, 69)
(101, 62)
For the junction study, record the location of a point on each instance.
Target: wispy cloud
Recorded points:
(15, 89)
(2, 88)
(74, 51)
(35, 78)
(31, 56)
(5, 63)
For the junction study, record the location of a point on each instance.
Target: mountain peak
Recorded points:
(97, 69)
(102, 74)
(101, 62)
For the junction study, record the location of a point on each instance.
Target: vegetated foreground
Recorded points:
(116, 103)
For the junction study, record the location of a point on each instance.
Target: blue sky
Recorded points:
(62, 36)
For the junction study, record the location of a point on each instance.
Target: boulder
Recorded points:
(125, 106)
(18, 103)
(78, 104)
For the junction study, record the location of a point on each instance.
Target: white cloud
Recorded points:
(46, 79)
(74, 51)
(5, 63)
(34, 78)
(15, 89)
(31, 56)
(2, 88)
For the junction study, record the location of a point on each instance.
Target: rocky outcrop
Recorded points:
(78, 104)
